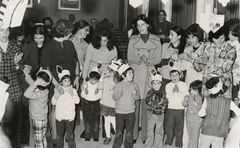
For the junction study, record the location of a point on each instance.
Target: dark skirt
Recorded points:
(106, 110)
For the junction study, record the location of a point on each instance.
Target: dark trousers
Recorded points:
(91, 117)
(68, 127)
(124, 121)
(174, 123)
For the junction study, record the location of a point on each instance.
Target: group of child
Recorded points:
(112, 94)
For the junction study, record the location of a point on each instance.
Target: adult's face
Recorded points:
(47, 23)
(142, 27)
(104, 41)
(82, 33)
(39, 38)
(4, 34)
(161, 17)
(174, 37)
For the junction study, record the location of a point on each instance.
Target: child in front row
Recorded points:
(156, 104)
(174, 117)
(37, 93)
(91, 95)
(107, 104)
(65, 109)
(193, 102)
(125, 94)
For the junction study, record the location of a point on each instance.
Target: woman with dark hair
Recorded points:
(101, 49)
(80, 31)
(144, 51)
(170, 52)
(60, 51)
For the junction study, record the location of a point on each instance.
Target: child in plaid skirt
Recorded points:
(37, 93)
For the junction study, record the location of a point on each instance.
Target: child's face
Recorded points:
(175, 77)
(129, 75)
(194, 92)
(156, 84)
(93, 81)
(66, 82)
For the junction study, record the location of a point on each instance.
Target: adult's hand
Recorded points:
(59, 89)
(17, 58)
(76, 82)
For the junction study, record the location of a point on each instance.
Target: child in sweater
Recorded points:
(37, 93)
(107, 104)
(91, 95)
(156, 104)
(174, 117)
(125, 94)
(65, 109)
(193, 102)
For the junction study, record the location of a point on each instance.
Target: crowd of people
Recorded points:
(173, 79)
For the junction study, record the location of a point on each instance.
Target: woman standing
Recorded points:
(144, 51)
(60, 51)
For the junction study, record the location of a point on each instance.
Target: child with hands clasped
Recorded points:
(174, 117)
(91, 95)
(125, 94)
(193, 102)
(65, 109)
(156, 104)
(107, 104)
(37, 93)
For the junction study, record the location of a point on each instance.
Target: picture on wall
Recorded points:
(69, 4)
(30, 4)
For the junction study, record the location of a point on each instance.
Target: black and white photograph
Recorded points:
(119, 73)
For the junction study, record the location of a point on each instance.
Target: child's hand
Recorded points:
(176, 89)
(143, 59)
(27, 69)
(56, 93)
(40, 82)
(86, 90)
(96, 91)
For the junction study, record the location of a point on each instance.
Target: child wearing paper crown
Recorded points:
(65, 108)
(107, 104)
(91, 95)
(156, 104)
(176, 90)
(193, 103)
(125, 94)
(37, 93)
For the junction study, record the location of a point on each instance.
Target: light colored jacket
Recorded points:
(152, 49)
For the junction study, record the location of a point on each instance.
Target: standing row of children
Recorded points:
(112, 94)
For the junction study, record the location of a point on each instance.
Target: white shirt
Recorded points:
(175, 98)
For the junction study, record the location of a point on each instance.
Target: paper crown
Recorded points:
(115, 64)
(12, 13)
(61, 72)
(97, 68)
(155, 76)
(46, 71)
(174, 68)
(214, 85)
(122, 68)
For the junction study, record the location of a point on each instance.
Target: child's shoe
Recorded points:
(95, 139)
(107, 140)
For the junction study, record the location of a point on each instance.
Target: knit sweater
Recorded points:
(38, 102)
(216, 121)
(125, 94)
(91, 92)
(65, 104)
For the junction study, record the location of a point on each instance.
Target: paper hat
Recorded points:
(61, 73)
(214, 85)
(115, 64)
(123, 68)
(97, 68)
(174, 68)
(12, 13)
(155, 76)
(47, 72)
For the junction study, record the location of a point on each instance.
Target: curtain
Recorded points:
(183, 12)
(230, 11)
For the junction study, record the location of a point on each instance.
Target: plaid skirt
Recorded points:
(106, 110)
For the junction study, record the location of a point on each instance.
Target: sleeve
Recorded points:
(76, 98)
(99, 94)
(29, 79)
(46, 56)
(157, 56)
(168, 92)
(164, 49)
(117, 92)
(185, 89)
(115, 55)
(148, 97)
(198, 102)
(83, 94)
(137, 95)
(87, 61)
(185, 102)
(235, 109)
(82, 55)
(31, 93)
(130, 54)
(55, 97)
